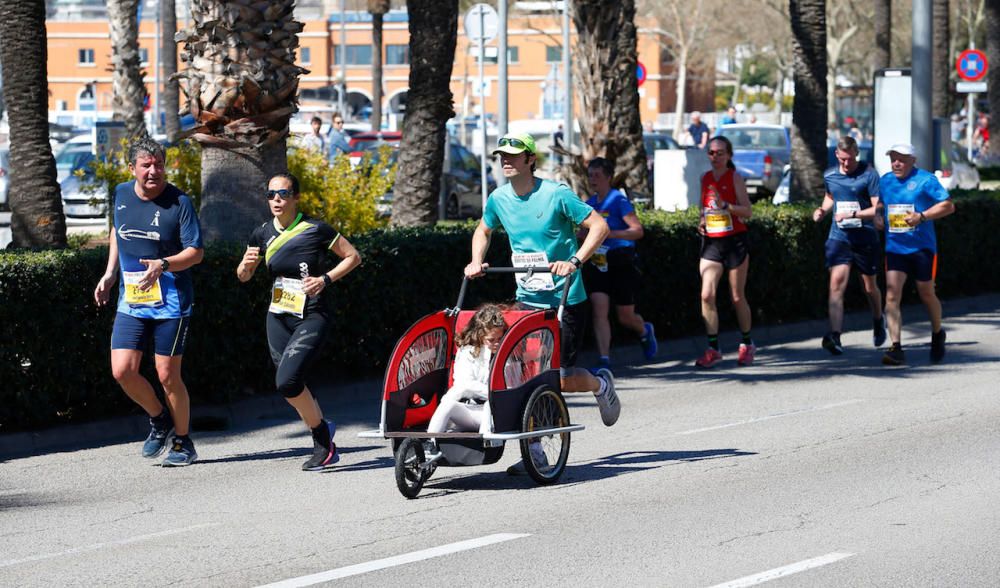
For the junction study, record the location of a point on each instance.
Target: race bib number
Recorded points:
(897, 218)
(288, 297)
(600, 258)
(849, 208)
(534, 282)
(136, 297)
(718, 221)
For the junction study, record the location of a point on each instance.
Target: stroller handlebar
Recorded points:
(526, 270)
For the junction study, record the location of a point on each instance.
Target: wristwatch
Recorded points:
(576, 261)
(923, 218)
(164, 264)
(327, 280)
(854, 214)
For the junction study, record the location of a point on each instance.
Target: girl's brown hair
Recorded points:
(487, 318)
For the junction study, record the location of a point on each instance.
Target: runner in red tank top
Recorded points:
(724, 248)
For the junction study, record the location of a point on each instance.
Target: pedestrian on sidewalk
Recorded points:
(725, 249)
(851, 196)
(155, 239)
(611, 275)
(913, 198)
(296, 250)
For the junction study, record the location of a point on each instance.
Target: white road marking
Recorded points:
(96, 546)
(785, 571)
(381, 564)
(769, 417)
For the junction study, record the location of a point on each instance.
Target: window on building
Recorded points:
(143, 56)
(492, 54)
(512, 55)
(305, 53)
(356, 54)
(397, 54)
(553, 54)
(85, 57)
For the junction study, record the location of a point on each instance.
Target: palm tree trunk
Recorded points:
(942, 63)
(626, 121)
(377, 12)
(234, 181)
(433, 35)
(993, 74)
(808, 19)
(168, 59)
(882, 54)
(129, 89)
(37, 219)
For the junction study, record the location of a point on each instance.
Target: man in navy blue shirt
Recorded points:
(155, 239)
(912, 198)
(851, 196)
(698, 130)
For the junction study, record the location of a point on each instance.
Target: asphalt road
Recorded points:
(804, 470)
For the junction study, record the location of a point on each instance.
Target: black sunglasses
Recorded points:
(515, 143)
(283, 194)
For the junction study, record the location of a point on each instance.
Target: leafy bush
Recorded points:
(54, 364)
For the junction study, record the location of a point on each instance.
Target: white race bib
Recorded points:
(718, 221)
(136, 297)
(288, 297)
(848, 208)
(600, 258)
(897, 218)
(536, 282)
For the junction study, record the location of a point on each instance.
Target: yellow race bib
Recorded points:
(288, 297)
(600, 258)
(897, 218)
(136, 297)
(718, 221)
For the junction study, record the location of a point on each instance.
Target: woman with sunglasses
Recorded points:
(725, 207)
(296, 250)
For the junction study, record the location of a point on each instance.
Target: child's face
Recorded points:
(492, 340)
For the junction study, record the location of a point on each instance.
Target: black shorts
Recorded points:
(571, 332)
(620, 280)
(863, 256)
(730, 250)
(921, 266)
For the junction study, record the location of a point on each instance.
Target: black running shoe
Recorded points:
(894, 356)
(878, 331)
(937, 346)
(831, 342)
(324, 452)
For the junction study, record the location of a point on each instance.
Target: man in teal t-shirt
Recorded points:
(540, 217)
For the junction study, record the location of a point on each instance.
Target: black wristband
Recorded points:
(576, 261)
(327, 280)
(164, 264)
(923, 218)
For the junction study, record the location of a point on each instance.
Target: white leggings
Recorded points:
(461, 416)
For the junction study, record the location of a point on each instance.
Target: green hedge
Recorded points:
(54, 344)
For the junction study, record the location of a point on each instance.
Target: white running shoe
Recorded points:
(607, 400)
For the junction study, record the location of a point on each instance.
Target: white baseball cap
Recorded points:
(902, 149)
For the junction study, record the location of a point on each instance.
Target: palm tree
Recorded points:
(37, 219)
(240, 82)
(433, 34)
(129, 88)
(604, 68)
(993, 75)
(377, 8)
(170, 95)
(808, 19)
(882, 55)
(941, 61)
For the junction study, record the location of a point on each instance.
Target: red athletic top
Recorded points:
(720, 223)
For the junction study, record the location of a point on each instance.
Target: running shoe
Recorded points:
(601, 365)
(160, 429)
(709, 359)
(878, 331)
(607, 400)
(324, 452)
(648, 341)
(894, 356)
(937, 346)
(181, 454)
(831, 343)
(538, 456)
(746, 353)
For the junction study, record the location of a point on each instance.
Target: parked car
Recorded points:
(760, 152)
(865, 154)
(76, 154)
(4, 177)
(959, 172)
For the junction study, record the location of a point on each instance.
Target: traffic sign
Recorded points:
(482, 23)
(970, 87)
(640, 72)
(971, 65)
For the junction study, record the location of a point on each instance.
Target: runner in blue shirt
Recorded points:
(155, 239)
(912, 198)
(851, 195)
(611, 275)
(540, 218)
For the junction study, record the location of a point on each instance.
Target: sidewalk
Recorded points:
(365, 394)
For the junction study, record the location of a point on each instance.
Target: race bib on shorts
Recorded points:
(135, 297)
(897, 218)
(288, 297)
(600, 258)
(718, 221)
(849, 208)
(534, 282)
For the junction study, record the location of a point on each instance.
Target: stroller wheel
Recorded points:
(410, 471)
(545, 456)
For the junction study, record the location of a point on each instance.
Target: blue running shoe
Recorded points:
(181, 454)
(160, 429)
(648, 341)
